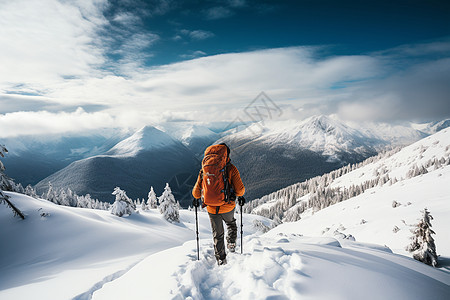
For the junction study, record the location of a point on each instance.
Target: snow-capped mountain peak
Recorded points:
(186, 132)
(146, 138)
(318, 133)
(321, 133)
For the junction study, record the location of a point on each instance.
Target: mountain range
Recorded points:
(149, 157)
(270, 155)
(278, 154)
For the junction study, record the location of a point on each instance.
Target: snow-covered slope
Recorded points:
(74, 253)
(415, 177)
(60, 252)
(280, 266)
(371, 217)
(421, 153)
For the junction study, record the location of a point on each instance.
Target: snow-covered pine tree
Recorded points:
(422, 244)
(30, 191)
(143, 205)
(18, 188)
(63, 199)
(152, 200)
(168, 206)
(123, 205)
(6, 184)
(51, 194)
(71, 196)
(81, 202)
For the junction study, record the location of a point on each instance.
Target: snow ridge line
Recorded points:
(97, 286)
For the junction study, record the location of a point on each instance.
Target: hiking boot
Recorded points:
(221, 262)
(231, 247)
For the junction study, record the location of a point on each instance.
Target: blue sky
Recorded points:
(195, 28)
(216, 27)
(84, 64)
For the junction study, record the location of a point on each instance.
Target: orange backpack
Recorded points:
(215, 184)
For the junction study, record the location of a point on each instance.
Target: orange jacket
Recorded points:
(235, 180)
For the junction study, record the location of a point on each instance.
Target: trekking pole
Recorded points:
(241, 204)
(196, 231)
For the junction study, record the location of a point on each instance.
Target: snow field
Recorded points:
(279, 266)
(69, 253)
(430, 191)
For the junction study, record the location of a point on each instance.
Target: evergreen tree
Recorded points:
(152, 201)
(168, 206)
(18, 188)
(51, 194)
(143, 205)
(63, 199)
(6, 184)
(71, 197)
(30, 191)
(422, 244)
(123, 205)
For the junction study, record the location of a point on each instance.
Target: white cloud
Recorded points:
(39, 122)
(43, 41)
(218, 12)
(193, 54)
(219, 87)
(126, 18)
(55, 57)
(200, 34)
(419, 92)
(195, 34)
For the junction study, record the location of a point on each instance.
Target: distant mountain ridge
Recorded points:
(270, 155)
(275, 154)
(149, 157)
(32, 158)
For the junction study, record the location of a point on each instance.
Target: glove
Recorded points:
(232, 197)
(241, 200)
(196, 202)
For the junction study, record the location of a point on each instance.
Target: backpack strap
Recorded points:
(226, 183)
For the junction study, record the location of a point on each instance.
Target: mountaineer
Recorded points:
(218, 185)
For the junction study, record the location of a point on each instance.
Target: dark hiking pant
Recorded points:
(218, 231)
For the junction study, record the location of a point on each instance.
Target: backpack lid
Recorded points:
(221, 150)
